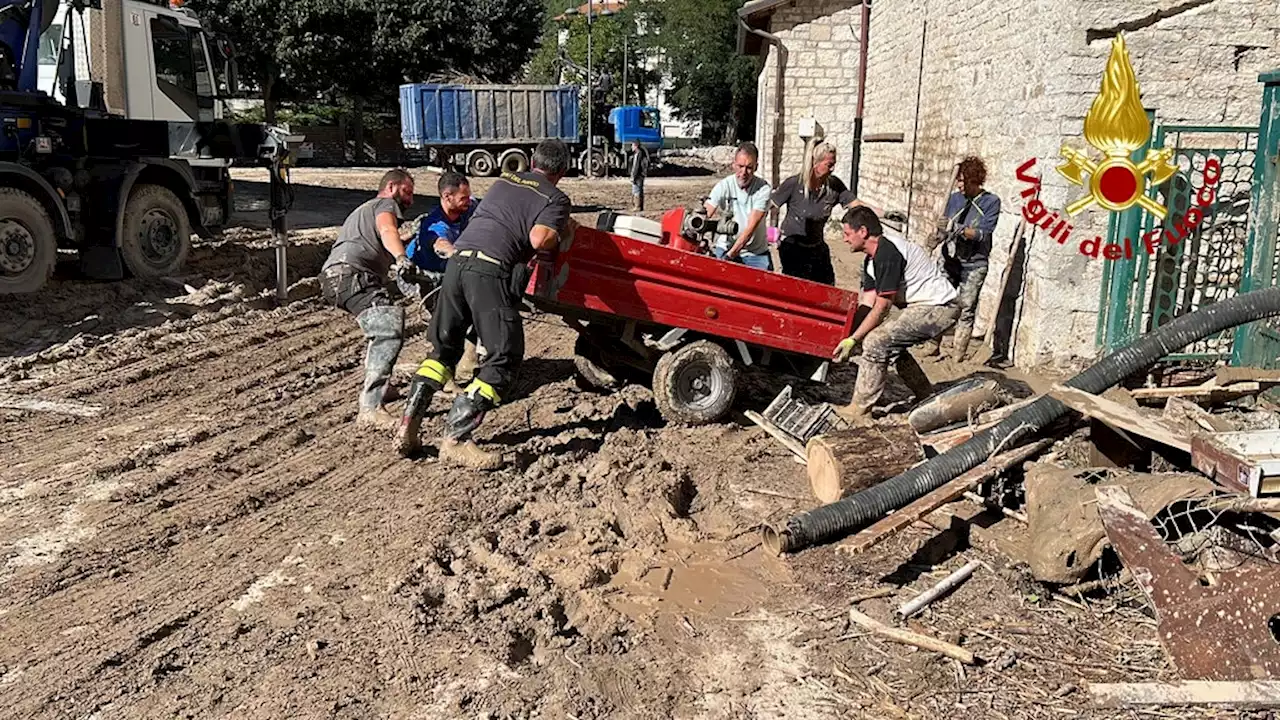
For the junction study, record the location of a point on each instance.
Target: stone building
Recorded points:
(1006, 80)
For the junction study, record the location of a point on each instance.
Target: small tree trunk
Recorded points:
(358, 119)
(844, 461)
(268, 99)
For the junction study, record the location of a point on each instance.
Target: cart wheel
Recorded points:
(695, 384)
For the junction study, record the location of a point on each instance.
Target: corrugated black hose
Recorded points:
(839, 519)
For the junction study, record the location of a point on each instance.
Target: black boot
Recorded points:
(420, 393)
(464, 417)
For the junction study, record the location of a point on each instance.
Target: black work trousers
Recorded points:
(804, 258)
(479, 293)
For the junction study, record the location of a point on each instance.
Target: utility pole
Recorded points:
(591, 95)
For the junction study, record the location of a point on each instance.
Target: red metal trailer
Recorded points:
(685, 320)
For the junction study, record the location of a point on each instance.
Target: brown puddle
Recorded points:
(701, 585)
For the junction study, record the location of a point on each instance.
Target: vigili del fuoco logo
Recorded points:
(1116, 126)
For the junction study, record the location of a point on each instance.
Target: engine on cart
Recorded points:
(705, 232)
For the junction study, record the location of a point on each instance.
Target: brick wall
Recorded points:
(1012, 80)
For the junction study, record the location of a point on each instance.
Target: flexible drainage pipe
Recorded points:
(838, 519)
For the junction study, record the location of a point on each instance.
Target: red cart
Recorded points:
(660, 311)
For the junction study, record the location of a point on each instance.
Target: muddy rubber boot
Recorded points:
(408, 440)
(866, 392)
(467, 365)
(384, 326)
(456, 444)
(913, 376)
(931, 348)
(960, 344)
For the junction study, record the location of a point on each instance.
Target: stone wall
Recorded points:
(820, 81)
(1010, 81)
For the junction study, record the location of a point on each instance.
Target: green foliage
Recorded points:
(711, 82)
(364, 49)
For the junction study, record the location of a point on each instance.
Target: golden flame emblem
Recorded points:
(1116, 126)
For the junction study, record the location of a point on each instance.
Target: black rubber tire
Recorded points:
(705, 363)
(598, 162)
(514, 160)
(481, 163)
(40, 242)
(150, 250)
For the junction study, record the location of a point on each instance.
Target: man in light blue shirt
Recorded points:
(746, 197)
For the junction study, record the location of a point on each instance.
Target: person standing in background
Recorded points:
(639, 171)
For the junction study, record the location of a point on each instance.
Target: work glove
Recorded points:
(404, 267)
(846, 348)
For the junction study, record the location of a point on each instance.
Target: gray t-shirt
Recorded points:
(359, 244)
(730, 197)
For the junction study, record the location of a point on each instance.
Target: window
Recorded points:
(649, 119)
(175, 64)
(50, 41)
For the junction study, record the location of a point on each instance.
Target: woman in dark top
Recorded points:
(802, 249)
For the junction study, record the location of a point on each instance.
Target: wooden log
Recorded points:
(845, 461)
(1253, 694)
(955, 488)
(906, 637)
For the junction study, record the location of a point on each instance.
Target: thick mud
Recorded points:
(221, 540)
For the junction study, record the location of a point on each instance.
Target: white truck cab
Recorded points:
(168, 67)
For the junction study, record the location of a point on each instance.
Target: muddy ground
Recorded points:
(222, 541)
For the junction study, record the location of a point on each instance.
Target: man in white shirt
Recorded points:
(897, 274)
(747, 198)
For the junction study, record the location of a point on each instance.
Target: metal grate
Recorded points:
(799, 419)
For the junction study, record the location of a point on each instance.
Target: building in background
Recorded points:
(1010, 81)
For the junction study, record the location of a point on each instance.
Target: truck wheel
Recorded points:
(480, 163)
(156, 236)
(514, 160)
(28, 245)
(695, 384)
(597, 162)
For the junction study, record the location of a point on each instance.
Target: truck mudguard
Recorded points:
(24, 178)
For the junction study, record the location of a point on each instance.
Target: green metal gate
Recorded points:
(1206, 266)
(1258, 344)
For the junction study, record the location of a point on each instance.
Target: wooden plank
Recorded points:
(1253, 694)
(791, 443)
(65, 407)
(1210, 389)
(1228, 375)
(1127, 419)
(956, 488)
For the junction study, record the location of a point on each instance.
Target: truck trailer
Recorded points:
(487, 129)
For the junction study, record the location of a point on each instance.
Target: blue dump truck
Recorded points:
(485, 129)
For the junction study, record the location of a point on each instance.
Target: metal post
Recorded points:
(1120, 327)
(915, 134)
(279, 228)
(591, 94)
(626, 60)
(1248, 347)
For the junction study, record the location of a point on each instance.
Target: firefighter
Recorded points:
(522, 214)
(353, 278)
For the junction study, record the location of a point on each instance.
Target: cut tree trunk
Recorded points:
(845, 461)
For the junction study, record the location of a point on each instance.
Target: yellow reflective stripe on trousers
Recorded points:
(484, 389)
(434, 370)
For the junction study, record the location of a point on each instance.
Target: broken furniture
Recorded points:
(1247, 462)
